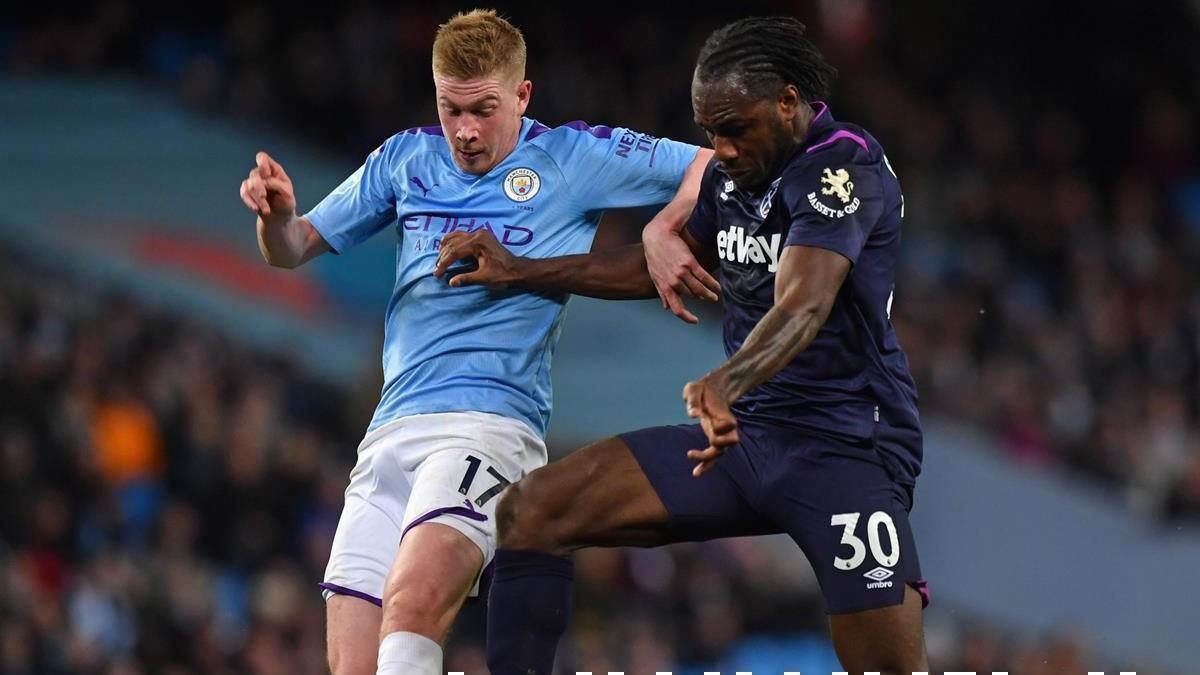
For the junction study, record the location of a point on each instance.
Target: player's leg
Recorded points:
(635, 490)
(888, 640)
(850, 517)
(434, 571)
(352, 634)
(465, 462)
(362, 553)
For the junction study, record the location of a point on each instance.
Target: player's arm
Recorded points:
(806, 287)
(284, 238)
(617, 274)
(672, 263)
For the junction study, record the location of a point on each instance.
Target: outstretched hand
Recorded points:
(676, 272)
(268, 191)
(496, 265)
(706, 399)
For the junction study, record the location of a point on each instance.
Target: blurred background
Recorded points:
(178, 420)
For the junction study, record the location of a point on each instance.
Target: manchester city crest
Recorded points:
(522, 184)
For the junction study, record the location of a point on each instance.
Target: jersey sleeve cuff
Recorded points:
(325, 229)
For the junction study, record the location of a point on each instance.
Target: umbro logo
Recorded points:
(879, 574)
(879, 577)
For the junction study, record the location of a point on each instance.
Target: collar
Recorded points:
(820, 125)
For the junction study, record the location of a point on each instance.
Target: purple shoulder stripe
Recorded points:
(342, 590)
(597, 131)
(837, 136)
(578, 125)
(432, 131)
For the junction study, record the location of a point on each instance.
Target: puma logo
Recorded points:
(424, 190)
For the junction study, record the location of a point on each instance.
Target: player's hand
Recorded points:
(675, 271)
(268, 191)
(706, 399)
(497, 267)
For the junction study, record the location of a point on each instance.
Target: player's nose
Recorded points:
(725, 151)
(467, 133)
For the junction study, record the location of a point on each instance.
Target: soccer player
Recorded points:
(466, 397)
(810, 427)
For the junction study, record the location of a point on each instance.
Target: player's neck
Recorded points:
(802, 124)
(510, 145)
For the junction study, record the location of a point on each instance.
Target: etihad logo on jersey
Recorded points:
(735, 245)
(840, 186)
(509, 235)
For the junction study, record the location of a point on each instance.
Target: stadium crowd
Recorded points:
(169, 497)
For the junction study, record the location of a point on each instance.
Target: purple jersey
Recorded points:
(837, 192)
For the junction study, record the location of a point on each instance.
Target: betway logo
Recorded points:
(735, 245)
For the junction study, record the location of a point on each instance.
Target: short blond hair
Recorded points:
(478, 43)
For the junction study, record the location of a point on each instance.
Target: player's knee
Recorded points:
(344, 660)
(418, 606)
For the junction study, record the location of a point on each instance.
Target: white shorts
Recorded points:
(446, 468)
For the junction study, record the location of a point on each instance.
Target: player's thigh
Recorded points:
(847, 514)
(631, 490)
(888, 640)
(352, 634)
(458, 485)
(435, 570)
(368, 532)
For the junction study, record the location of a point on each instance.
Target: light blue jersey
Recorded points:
(473, 348)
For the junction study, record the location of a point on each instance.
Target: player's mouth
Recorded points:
(739, 177)
(468, 156)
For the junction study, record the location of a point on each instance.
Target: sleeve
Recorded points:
(833, 199)
(702, 223)
(362, 205)
(615, 167)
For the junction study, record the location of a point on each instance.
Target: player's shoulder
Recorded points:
(575, 131)
(835, 149)
(405, 144)
(839, 141)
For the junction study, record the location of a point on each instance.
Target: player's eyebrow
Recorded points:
(488, 98)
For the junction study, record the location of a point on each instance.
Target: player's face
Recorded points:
(481, 117)
(751, 136)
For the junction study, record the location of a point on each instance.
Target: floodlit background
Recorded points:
(178, 420)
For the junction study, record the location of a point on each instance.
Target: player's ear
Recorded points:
(524, 91)
(789, 102)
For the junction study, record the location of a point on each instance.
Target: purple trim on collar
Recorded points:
(452, 510)
(821, 107)
(536, 129)
(342, 590)
(432, 131)
(837, 136)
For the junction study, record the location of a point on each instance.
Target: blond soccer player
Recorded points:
(466, 396)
